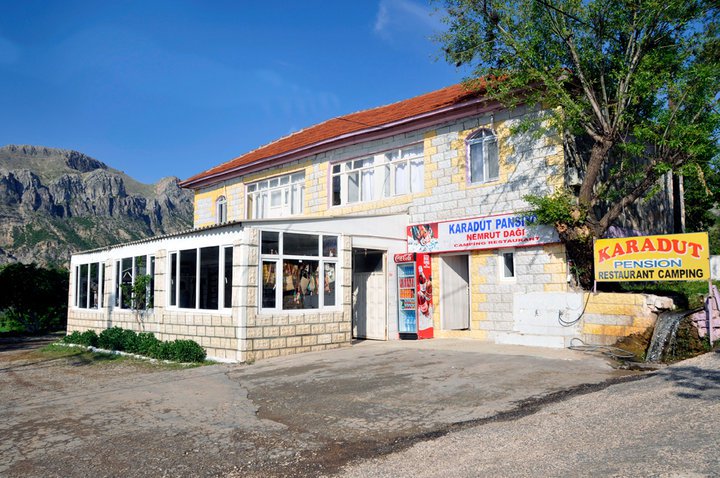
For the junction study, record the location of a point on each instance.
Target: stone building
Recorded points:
(294, 244)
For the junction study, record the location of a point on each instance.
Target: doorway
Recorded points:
(369, 307)
(455, 292)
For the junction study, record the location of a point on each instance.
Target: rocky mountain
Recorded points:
(54, 202)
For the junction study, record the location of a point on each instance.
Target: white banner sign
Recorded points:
(490, 232)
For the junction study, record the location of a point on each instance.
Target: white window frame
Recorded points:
(101, 283)
(501, 253)
(279, 260)
(175, 291)
(149, 259)
(488, 139)
(383, 167)
(288, 189)
(221, 210)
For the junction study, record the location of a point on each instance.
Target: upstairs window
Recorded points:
(221, 210)
(277, 197)
(392, 173)
(483, 154)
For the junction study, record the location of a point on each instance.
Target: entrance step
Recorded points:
(532, 340)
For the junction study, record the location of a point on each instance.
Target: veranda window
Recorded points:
(298, 271)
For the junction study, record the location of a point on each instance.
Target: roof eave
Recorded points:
(455, 111)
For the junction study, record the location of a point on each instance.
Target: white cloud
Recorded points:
(403, 16)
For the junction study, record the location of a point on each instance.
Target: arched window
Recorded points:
(221, 210)
(482, 150)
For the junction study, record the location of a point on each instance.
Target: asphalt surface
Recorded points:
(329, 412)
(666, 425)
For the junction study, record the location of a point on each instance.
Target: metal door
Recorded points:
(455, 293)
(369, 308)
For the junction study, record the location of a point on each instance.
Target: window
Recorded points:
(276, 197)
(483, 154)
(89, 286)
(221, 210)
(128, 271)
(298, 271)
(388, 174)
(201, 278)
(506, 262)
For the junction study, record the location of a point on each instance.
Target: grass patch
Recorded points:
(81, 356)
(56, 351)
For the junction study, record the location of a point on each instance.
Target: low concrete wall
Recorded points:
(611, 316)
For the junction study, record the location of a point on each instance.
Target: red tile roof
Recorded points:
(338, 128)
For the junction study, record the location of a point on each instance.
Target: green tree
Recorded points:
(702, 201)
(34, 298)
(141, 296)
(632, 86)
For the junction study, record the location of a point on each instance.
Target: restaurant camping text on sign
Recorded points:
(684, 257)
(490, 232)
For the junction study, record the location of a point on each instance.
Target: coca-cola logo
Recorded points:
(407, 257)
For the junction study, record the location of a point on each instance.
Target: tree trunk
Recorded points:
(598, 154)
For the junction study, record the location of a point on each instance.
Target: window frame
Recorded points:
(172, 300)
(88, 288)
(279, 259)
(286, 191)
(118, 281)
(501, 254)
(383, 168)
(221, 210)
(484, 136)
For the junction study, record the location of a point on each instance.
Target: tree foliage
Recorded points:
(33, 298)
(633, 85)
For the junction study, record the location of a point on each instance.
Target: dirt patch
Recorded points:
(70, 413)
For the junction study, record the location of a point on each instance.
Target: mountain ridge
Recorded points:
(54, 202)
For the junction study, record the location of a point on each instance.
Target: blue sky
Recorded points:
(160, 88)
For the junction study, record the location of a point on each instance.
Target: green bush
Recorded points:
(144, 343)
(161, 351)
(111, 339)
(73, 338)
(187, 351)
(88, 338)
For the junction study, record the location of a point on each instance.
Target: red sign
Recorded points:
(406, 257)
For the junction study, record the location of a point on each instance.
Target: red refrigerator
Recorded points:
(415, 304)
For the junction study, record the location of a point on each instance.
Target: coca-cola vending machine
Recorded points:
(415, 304)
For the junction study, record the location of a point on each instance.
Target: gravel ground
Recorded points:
(665, 425)
(302, 415)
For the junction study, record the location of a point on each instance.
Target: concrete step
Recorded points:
(532, 340)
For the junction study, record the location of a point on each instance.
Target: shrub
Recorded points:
(111, 339)
(88, 338)
(187, 351)
(145, 343)
(161, 351)
(73, 338)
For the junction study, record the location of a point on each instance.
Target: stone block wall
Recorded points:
(266, 335)
(537, 269)
(611, 316)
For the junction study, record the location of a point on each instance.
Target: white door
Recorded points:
(455, 293)
(369, 319)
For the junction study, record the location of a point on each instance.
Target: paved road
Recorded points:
(301, 415)
(665, 425)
